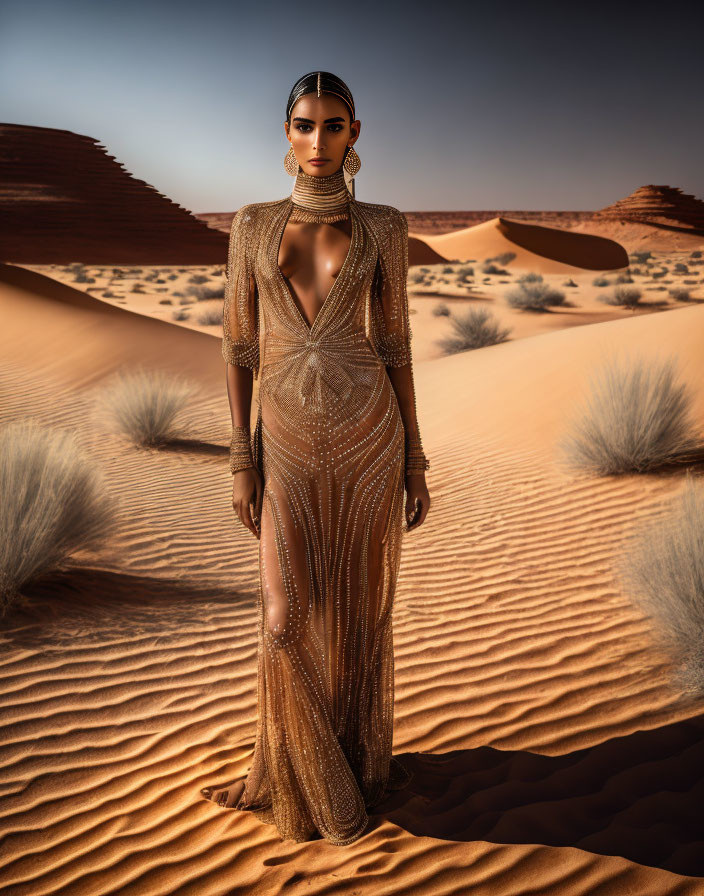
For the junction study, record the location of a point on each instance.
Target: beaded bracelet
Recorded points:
(416, 461)
(240, 449)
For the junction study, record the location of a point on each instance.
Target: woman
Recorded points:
(335, 443)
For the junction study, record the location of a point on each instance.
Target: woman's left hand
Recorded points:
(417, 500)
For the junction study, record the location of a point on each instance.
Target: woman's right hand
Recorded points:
(247, 489)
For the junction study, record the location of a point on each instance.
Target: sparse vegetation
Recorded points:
(680, 294)
(54, 504)
(532, 294)
(204, 293)
(181, 314)
(441, 310)
(210, 317)
(637, 418)
(145, 403)
(625, 277)
(625, 296)
(696, 254)
(640, 257)
(601, 281)
(662, 567)
(531, 277)
(198, 278)
(503, 258)
(569, 283)
(490, 268)
(474, 329)
(681, 268)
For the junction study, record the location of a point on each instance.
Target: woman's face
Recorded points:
(320, 128)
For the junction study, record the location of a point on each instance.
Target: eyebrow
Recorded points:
(310, 120)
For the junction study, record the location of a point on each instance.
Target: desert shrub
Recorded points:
(680, 294)
(696, 254)
(185, 300)
(53, 504)
(569, 282)
(503, 258)
(625, 296)
(416, 277)
(534, 296)
(681, 268)
(198, 278)
(181, 314)
(144, 404)
(662, 567)
(211, 316)
(448, 270)
(601, 281)
(165, 302)
(138, 288)
(173, 277)
(640, 257)
(490, 268)
(658, 275)
(636, 272)
(474, 329)
(465, 272)
(204, 293)
(530, 277)
(441, 310)
(625, 277)
(637, 418)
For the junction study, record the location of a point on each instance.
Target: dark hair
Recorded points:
(327, 82)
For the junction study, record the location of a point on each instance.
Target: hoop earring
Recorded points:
(291, 163)
(352, 162)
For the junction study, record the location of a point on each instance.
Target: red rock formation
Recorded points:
(64, 199)
(659, 206)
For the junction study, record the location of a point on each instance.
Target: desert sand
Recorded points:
(551, 752)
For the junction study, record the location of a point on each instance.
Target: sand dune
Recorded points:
(544, 249)
(532, 701)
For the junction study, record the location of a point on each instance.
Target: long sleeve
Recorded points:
(240, 344)
(389, 320)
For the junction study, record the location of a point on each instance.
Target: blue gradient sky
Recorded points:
(463, 105)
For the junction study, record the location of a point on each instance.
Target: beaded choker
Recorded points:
(320, 199)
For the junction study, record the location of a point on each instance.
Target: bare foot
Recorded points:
(226, 797)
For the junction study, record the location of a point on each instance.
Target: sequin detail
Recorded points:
(331, 452)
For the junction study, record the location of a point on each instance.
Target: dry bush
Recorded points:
(441, 310)
(475, 329)
(662, 567)
(211, 317)
(637, 418)
(624, 296)
(145, 403)
(532, 294)
(54, 503)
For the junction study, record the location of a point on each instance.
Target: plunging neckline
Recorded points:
(310, 327)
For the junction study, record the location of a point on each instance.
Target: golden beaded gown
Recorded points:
(329, 442)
